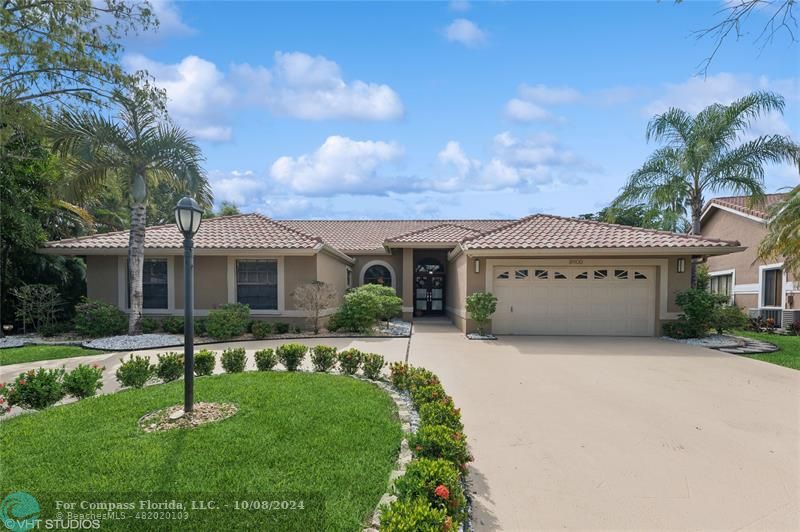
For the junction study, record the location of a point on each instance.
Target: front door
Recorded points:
(429, 294)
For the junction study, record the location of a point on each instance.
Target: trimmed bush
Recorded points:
(291, 355)
(323, 357)
(150, 325)
(281, 327)
(84, 381)
(388, 304)
(420, 377)
(96, 319)
(681, 329)
(414, 515)
(365, 305)
(428, 394)
(261, 329)
(266, 359)
(228, 321)
(170, 366)
(438, 481)
(234, 360)
(173, 325)
(36, 389)
(441, 412)
(204, 362)
(371, 365)
(438, 441)
(727, 318)
(55, 328)
(349, 360)
(399, 375)
(481, 306)
(200, 327)
(135, 372)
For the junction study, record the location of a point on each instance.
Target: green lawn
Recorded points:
(327, 440)
(789, 354)
(32, 353)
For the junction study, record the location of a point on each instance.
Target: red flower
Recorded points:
(22, 382)
(442, 491)
(419, 448)
(2, 385)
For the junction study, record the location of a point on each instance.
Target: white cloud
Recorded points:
(197, 93)
(312, 88)
(459, 5)
(340, 165)
(466, 32)
(169, 18)
(544, 95)
(522, 111)
(236, 186)
(518, 164)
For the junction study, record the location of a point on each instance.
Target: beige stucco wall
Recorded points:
(210, 281)
(102, 278)
(332, 271)
(728, 226)
(297, 271)
(395, 260)
(456, 290)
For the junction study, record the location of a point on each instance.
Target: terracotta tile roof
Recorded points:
(544, 231)
(743, 204)
(445, 233)
(363, 236)
(244, 231)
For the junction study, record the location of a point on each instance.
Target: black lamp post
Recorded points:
(188, 215)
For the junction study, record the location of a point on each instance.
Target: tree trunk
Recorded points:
(136, 266)
(697, 209)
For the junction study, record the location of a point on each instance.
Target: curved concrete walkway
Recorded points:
(621, 433)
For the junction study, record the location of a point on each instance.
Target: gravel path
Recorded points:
(142, 341)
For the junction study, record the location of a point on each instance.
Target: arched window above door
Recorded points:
(377, 272)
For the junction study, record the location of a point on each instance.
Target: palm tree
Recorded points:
(139, 149)
(706, 152)
(783, 237)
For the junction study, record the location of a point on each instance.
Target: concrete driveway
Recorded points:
(621, 433)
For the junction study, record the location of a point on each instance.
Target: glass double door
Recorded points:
(429, 294)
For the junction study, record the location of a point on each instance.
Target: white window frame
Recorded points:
(232, 292)
(761, 270)
(720, 273)
(378, 263)
(122, 285)
(348, 277)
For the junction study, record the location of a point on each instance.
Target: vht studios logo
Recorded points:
(19, 511)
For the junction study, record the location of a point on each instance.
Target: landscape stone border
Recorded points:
(409, 422)
(749, 346)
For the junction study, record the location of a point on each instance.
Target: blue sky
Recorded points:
(443, 110)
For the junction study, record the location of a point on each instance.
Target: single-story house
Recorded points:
(552, 275)
(760, 288)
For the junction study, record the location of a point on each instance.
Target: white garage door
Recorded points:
(595, 300)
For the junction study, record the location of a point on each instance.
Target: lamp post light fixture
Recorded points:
(188, 215)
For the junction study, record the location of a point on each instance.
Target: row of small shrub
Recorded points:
(430, 494)
(41, 388)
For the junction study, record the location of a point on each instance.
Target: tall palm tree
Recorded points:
(139, 149)
(783, 236)
(706, 153)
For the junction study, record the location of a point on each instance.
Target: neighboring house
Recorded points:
(552, 275)
(762, 289)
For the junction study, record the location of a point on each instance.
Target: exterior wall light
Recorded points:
(477, 265)
(681, 265)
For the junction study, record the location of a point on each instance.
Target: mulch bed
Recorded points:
(201, 414)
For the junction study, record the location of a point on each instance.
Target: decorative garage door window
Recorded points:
(639, 275)
(503, 275)
(520, 274)
(600, 274)
(559, 275)
(621, 274)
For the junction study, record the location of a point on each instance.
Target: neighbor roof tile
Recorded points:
(745, 205)
(544, 231)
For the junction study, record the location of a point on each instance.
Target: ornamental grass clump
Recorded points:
(170, 366)
(323, 357)
(135, 372)
(291, 355)
(204, 362)
(35, 389)
(349, 360)
(438, 481)
(84, 381)
(234, 360)
(371, 365)
(266, 359)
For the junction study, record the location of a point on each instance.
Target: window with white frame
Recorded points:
(155, 284)
(772, 287)
(721, 284)
(257, 283)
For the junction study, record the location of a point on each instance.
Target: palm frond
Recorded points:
(674, 126)
(783, 233)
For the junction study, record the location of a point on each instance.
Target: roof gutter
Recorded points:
(325, 248)
(579, 252)
(730, 210)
